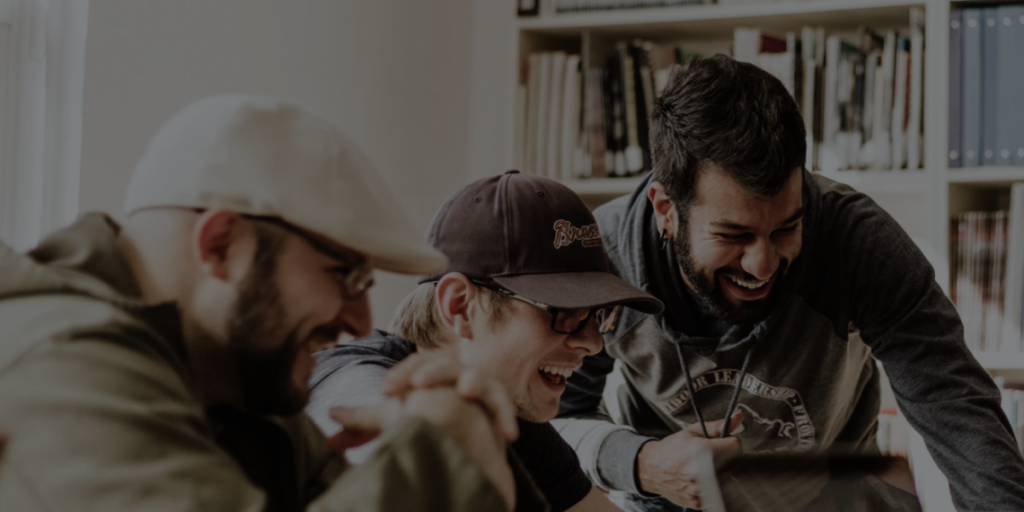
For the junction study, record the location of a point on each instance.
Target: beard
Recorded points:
(706, 282)
(265, 374)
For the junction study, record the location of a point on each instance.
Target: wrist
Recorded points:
(642, 456)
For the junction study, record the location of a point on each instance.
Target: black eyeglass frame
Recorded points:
(607, 315)
(359, 276)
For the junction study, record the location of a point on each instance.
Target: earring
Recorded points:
(664, 239)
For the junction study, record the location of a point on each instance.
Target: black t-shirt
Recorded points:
(342, 372)
(552, 463)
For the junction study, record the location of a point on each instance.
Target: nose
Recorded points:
(760, 259)
(588, 340)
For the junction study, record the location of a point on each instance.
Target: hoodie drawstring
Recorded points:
(732, 401)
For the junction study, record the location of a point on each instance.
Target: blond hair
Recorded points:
(418, 320)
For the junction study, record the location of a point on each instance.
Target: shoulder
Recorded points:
(380, 349)
(46, 325)
(610, 216)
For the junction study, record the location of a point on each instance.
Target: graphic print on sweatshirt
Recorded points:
(775, 419)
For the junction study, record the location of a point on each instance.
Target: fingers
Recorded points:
(350, 438)
(423, 371)
(372, 418)
(419, 368)
(715, 427)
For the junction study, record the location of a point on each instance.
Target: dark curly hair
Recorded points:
(717, 112)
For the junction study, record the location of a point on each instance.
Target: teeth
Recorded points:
(554, 370)
(748, 285)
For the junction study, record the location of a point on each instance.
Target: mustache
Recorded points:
(746, 276)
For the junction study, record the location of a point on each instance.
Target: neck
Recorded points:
(211, 362)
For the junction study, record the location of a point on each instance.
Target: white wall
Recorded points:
(394, 74)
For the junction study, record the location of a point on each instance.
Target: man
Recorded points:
(781, 288)
(163, 365)
(524, 298)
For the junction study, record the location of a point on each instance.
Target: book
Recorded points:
(553, 148)
(532, 114)
(519, 129)
(1007, 89)
(989, 81)
(570, 114)
(899, 108)
(1018, 105)
(914, 146)
(955, 62)
(971, 105)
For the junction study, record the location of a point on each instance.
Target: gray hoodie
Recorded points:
(859, 291)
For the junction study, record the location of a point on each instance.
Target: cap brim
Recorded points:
(571, 290)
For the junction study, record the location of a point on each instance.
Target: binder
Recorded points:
(916, 88)
(570, 117)
(1016, 101)
(1007, 88)
(553, 146)
(989, 85)
(955, 62)
(971, 106)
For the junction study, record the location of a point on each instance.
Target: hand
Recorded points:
(465, 421)
(424, 370)
(663, 466)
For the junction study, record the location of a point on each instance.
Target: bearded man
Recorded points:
(781, 290)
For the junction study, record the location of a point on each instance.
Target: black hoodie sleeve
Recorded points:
(883, 286)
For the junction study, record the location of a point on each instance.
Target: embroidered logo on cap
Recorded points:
(566, 234)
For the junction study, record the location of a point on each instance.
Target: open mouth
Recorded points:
(554, 376)
(747, 289)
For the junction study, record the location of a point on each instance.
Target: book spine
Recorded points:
(1007, 90)
(971, 105)
(955, 66)
(989, 83)
(1017, 103)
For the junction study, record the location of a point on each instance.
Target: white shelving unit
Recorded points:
(922, 201)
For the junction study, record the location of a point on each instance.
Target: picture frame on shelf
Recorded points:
(527, 7)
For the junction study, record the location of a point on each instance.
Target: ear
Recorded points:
(455, 296)
(222, 244)
(664, 209)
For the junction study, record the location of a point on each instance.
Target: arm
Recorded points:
(607, 451)
(595, 501)
(915, 331)
(114, 428)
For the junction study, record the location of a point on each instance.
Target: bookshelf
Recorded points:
(922, 201)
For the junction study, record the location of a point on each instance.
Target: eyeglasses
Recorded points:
(566, 321)
(357, 273)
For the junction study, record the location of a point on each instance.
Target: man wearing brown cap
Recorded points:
(163, 365)
(525, 297)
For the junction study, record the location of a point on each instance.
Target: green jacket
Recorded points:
(97, 398)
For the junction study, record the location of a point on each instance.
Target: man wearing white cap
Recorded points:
(162, 365)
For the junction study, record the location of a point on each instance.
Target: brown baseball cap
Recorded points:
(535, 237)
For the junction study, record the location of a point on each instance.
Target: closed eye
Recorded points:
(733, 238)
(787, 229)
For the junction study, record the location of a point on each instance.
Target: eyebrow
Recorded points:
(735, 226)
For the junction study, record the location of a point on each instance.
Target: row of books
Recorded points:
(986, 77)
(979, 243)
(862, 100)
(893, 434)
(988, 275)
(604, 5)
(573, 122)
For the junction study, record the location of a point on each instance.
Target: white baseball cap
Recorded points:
(273, 158)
